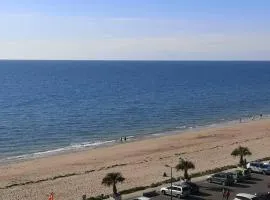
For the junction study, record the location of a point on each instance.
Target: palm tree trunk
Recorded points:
(114, 189)
(186, 174)
(241, 161)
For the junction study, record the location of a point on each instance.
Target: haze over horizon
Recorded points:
(135, 30)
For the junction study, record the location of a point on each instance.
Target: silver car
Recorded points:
(259, 167)
(177, 191)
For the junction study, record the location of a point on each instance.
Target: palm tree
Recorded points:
(242, 152)
(185, 165)
(112, 179)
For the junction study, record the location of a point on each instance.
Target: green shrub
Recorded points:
(155, 184)
(131, 190)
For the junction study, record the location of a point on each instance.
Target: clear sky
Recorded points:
(135, 29)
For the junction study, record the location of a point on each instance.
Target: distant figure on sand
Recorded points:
(260, 115)
(121, 139)
(223, 193)
(228, 194)
(125, 138)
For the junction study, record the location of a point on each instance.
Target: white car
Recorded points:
(142, 198)
(255, 167)
(245, 196)
(259, 167)
(175, 190)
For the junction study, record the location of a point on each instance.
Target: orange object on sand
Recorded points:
(51, 196)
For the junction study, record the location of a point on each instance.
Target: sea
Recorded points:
(51, 107)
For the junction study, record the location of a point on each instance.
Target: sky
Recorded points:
(135, 29)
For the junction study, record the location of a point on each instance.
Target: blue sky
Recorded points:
(136, 30)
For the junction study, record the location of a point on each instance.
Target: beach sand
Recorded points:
(141, 162)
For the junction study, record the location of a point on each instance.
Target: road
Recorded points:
(211, 191)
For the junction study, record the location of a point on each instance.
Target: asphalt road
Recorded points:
(212, 191)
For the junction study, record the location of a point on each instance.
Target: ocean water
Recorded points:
(49, 107)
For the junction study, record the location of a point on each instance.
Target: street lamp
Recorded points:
(171, 178)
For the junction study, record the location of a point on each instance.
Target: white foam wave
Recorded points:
(56, 151)
(157, 134)
(181, 127)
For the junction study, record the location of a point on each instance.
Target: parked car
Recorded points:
(221, 178)
(237, 176)
(178, 191)
(265, 169)
(263, 196)
(151, 194)
(254, 167)
(259, 167)
(193, 187)
(245, 172)
(142, 198)
(245, 196)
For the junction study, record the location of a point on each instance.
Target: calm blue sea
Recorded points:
(54, 106)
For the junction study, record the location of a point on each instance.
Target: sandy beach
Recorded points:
(142, 162)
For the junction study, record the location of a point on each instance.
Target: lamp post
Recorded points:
(171, 183)
(171, 178)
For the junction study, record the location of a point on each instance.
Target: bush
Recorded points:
(93, 198)
(100, 197)
(131, 190)
(155, 184)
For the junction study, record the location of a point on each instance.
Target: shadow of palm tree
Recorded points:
(203, 194)
(238, 185)
(249, 182)
(194, 197)
(255, 179)
(214, 189)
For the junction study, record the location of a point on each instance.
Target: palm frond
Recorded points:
(184, 165)
(112, 178)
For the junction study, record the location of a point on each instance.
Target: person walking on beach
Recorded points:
(228, 194)
(223, 193)
(125, 138)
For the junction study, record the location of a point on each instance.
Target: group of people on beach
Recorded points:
(123, 139)
(252, 117)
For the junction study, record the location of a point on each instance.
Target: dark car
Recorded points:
(151, 194)
(237, 176)
(193, 187)
(246, 173)
(221, 178)
(263, 196)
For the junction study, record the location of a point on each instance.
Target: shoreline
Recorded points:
(86, 146)
(142, 162)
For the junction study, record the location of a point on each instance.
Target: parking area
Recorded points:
(210, 191)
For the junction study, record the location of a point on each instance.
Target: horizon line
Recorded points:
(147, 60)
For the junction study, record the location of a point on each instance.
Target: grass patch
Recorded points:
(135, 189)
(212, 171)
(263, 159)
(100, 197)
